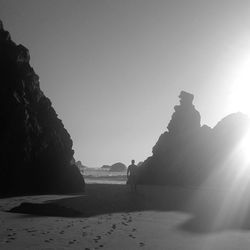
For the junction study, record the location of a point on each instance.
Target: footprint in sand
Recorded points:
(98, 237)
(11, 235)
(72, 242)
(110, 231)
(10, 239)
(132, 236)
(98, 247)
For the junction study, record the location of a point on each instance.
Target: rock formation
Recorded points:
(187, 153)
(118, 167)
(105, 167)
(35, 148)
(80, 165)
(139, 163)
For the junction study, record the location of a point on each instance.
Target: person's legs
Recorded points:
(131, 183)
(135, 183)
(131, 186)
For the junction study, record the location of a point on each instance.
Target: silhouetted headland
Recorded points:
(36, 150)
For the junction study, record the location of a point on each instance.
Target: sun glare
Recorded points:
(240, 101)
(244, 148)
(240, 88)
(241, 97)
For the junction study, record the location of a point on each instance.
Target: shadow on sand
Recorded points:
(204, 206)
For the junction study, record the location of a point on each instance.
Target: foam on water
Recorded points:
(104, 176)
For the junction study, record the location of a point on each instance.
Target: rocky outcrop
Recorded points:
(118, 167)
(187, 153)
(35, 148)
(105, 167)
(80, 165)
(139, 163)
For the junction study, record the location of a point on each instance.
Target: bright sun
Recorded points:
(241, 97)
(240, 88)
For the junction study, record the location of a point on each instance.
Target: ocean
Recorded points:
(104, 176)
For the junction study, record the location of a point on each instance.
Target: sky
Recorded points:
(113, 69)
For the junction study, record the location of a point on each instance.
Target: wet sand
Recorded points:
(112, 217)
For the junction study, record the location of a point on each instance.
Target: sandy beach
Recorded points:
(111, 217)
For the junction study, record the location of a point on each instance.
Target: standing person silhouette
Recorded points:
(131, 175)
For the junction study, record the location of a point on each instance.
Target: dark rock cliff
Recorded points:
(187, 153)
(35, 148)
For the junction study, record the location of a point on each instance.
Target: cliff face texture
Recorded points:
(188, 153)
(35, 148)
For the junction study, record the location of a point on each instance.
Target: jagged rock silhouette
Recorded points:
(36, 150)
(187, 153)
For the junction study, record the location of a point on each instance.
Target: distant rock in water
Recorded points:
(80, 165)
(187, 153)
(105, 167)
(36, 150)
(118, 167)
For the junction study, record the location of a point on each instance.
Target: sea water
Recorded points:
(104, 176)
